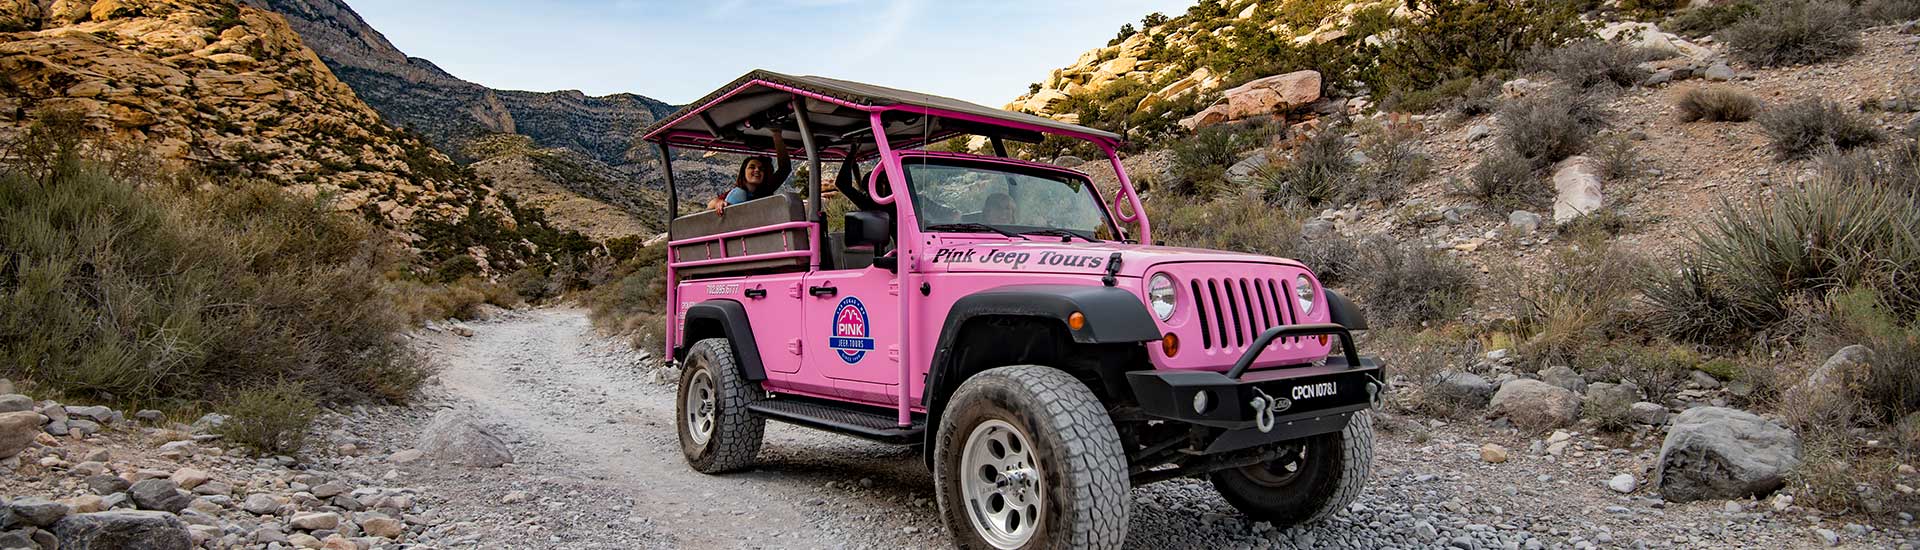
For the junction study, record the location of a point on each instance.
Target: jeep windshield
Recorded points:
(982, 197)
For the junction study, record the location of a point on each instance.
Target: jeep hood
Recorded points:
(1078, 257)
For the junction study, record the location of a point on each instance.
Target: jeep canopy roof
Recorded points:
(740, 118)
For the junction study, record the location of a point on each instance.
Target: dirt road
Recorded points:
(597, 465)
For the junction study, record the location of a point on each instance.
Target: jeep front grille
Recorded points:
(1234, 311)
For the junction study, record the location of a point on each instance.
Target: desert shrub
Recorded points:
(1619, 159)
(1589, 63)
(1891, 389)
(1504, 180)
(1743, 270)
(1659, 368)
(1581, 299)
(1708, 19)
(1793, 32)
(1332, 257)
(1802, 128)
(1234, 221)
(1394, 161)
(181, 291)
(1317, 171)
(633, 301)
(1610, 412)
(1200, 162)
(1717, 104)
(1889, 11)
(1896, 167)
(1401, 283)
(1603, 223)
(1837, 476)
(270, 419)
(1550, 125)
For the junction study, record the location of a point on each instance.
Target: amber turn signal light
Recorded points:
(1323, 339)
(1076, 321)
(1170, 345)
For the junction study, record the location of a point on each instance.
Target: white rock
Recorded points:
(1623, 483)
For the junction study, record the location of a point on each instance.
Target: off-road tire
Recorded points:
(737, 432)
(1083, 469)
(1334, 470)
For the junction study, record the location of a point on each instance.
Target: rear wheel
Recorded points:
(1026, 457)
(717, 432)
(1319, 477)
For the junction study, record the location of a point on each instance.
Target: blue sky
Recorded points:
(985, 51)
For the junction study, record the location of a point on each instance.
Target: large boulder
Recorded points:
(1721, 453)
(123, 530)
(1844, 371)
(452, 439)
(1578, 189)
(15, 403)
(1536, 406)
(17, 431)
(1273, 94)
(1211, 116)
(1462, 387)
(1650, 37)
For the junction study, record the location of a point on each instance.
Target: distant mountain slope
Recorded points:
(456, 115)
(225, 88)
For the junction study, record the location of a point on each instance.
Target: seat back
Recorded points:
(777, 209)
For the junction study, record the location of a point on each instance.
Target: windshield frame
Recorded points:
(1006, 165)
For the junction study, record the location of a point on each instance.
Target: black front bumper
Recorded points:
(1300, 401)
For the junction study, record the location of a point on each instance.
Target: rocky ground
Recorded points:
(579, 427)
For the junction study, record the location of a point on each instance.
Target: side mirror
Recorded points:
(869, 229)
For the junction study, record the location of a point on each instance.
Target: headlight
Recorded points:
(1162, 296)
(1303, 291)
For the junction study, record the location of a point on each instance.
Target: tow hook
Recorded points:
(1265, 407)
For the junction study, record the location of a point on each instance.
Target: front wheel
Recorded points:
(1026, 457)
(1315, 479)
(717, 432)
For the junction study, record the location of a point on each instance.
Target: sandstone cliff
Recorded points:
(223, 87)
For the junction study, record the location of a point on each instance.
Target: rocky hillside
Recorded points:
(456, 115)
(222, 87)
(570, 187)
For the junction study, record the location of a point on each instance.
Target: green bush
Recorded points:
(1793, 32)
(1200, 162)
(1317, 171)
(1589, 63)
(1659, 368)
(1709, 19)
(633, 301)
(269, 419)
(1743, 271)
(1550, 125)
(1405, 284)
(1456, 39)
(1504, 180)
(1717, 104)
(1891, 388)
(180, 291)
(1802, 128)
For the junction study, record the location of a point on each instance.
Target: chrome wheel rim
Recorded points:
(1001, 481)
(700, 405)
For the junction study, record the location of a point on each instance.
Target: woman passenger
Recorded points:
(758, 178)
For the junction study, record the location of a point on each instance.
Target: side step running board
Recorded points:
(883, 428)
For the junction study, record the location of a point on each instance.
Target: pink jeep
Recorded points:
(1004, 316)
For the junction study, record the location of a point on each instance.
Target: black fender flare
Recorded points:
(1344, 312)
(732, 318)
(1113, 316)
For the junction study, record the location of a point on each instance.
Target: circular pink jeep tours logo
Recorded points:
(850, 337)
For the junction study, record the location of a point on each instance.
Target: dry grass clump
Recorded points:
(1580, 302)
(1504, 180)
(1318, 170)
(1550, 125)
(1421, 358)
(1793, 32)
(1236, 221)
(1591, 63)
(1717, 104)
(1800, 129)
(270, 419)
(1405, 284)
